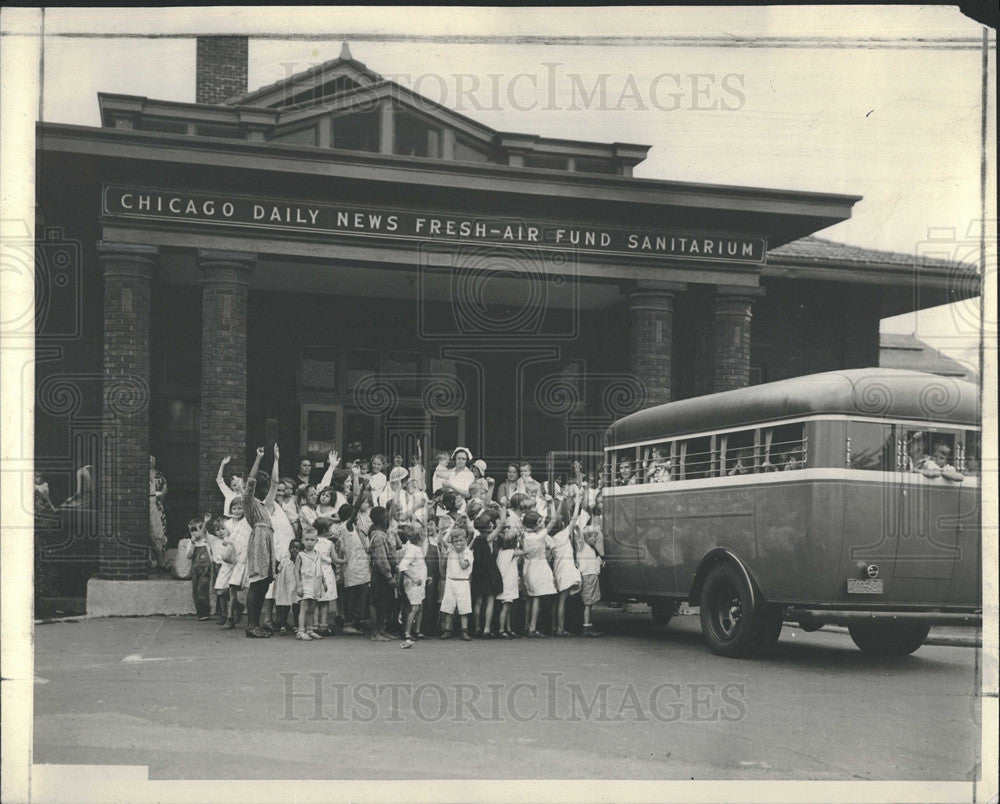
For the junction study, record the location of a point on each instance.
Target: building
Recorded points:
(906, 351)
(333, 261)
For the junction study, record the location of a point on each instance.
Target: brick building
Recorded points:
(333, 261)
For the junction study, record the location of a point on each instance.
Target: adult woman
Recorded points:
(157, 514)
(461, 477)
(260, 563)
(509, 486)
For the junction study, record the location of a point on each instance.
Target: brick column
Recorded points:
(651, 318)
(731, 337)
(223, 431)
(123, 476)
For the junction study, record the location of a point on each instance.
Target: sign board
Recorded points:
(421, 226)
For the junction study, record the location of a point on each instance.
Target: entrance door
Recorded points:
(321, 430)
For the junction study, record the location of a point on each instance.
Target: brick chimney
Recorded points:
(221, 68)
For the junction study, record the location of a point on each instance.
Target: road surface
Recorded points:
(191, 701)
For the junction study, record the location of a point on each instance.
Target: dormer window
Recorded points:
(357, 131)
(416, 137)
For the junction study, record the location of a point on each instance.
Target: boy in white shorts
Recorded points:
(413, 570)
(457, 593)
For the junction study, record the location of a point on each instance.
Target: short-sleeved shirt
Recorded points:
(455, 570)
(413, 563)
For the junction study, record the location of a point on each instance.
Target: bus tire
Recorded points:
(662, 612)
(728, 620)
(888, 639)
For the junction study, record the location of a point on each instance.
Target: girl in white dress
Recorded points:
(507, 556)
(567, 576)
(284, 532)
(239, 538)
(308, 585)
(284, 587)
(222, 555)
(330, 557)
(538, 579)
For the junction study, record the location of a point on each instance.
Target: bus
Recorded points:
(849, 497)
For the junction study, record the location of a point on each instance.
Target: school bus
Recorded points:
(850, 497)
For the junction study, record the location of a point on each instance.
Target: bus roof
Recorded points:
(884, 393)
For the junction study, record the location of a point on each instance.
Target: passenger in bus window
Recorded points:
(658, 468)
(743, 464)
(942, 459)
(971, 462)
(625, 473)
(917, 459)
(793, 460)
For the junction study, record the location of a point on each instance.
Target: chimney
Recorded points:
(221, 68)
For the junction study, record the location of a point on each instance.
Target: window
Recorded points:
(783, 448)
(869, 446)
(302, 136)
(696, 458)
(230, 132)
(183, 415)
(414, 137)
(921, 448)
(659, 463)
(318, 369)
(164, 126)
(969, 461)
(586, 164)
(404, 368)
(357, 131)
(736, 454)
(467, 151)
(545, 162)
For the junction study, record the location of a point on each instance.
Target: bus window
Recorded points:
(657, 465)
(869, 446)
(969, 461)
(930, 452)
(626, 474)
(783, 448)
(736, 453)
(696, 458)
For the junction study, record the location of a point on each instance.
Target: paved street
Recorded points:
(191, 701)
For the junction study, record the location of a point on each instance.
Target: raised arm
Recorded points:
(256, 463)
(272, 486)
(220, 480)
(332, 462)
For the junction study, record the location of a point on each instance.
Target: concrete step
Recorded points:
(138, 598)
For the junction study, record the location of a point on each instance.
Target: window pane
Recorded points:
(357, 131)
(783, 448)
(871, 446)
(697, 458)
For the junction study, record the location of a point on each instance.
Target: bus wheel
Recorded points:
(888, 639)
(662, 611)
(728, 620)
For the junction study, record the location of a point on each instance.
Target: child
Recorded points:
(413, 569)
(285, 600)
(309, 586)
(308, 500)
(507, 564)
(417, 470)
(200, 555)
(329, 558)
(234, 488)
(589, 560)
(457, 594)
(486, 581)
(441, 471)
(564, 570)
(357, 569)
(239, 538)
(383, 573)
(435, 585)
(221, 547)
(538, 579)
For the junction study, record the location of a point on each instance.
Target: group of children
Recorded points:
(371, 549)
